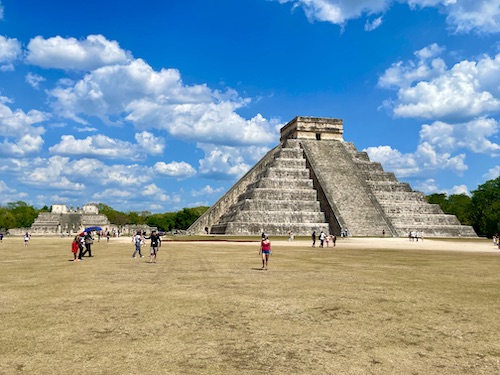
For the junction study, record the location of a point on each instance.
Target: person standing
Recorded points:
(313, 237)
(334, 240)
(265, 251)
(74, 248)
(137, 240)
(88, 240)
(26, 238)
(155, 246)
(321, 239)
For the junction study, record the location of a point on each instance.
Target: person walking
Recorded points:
(81, 244)
(74, 248)
(138, 242)
(26, 238)
(155, 246)
(313, 237)
(88, 240)
(265, 251)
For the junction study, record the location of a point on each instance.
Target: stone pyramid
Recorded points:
(315, 181)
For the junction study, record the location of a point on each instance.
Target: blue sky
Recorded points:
(158, 105)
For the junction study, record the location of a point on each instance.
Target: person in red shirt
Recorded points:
(74, 248)
(265, 250)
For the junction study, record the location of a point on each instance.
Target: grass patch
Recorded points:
(207, 308)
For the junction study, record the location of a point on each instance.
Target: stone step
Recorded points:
(277, 229)
(409, 221)
(381, 177)
(275, 217)
(385, 197)
(279, 183)
(291, 153)
(386, 186)
(283, 163)
(276, 196)
(287, 173)
(439, 231)
(411, 208)
(286, 205)
(369, 167)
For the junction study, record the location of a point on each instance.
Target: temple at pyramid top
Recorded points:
(314, 181)
(315, 128)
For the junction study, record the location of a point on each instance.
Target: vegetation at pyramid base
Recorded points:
(481, 210)
(21, 215)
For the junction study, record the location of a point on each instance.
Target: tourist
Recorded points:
(27, 237)
(327, 240)
(81, 245)
(265, 251)
(313, 237)
(107, 236)
(88, 240)
(1, 237)
(321, 239)
(334, 240)
(155, 245)
(74, 248)
(383, 232)
(137, 241)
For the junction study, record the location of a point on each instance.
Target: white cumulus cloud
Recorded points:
(426, 159)
(69, 53)
(10, 50)
(206, 190)
(174, 169)
(463, 16)
(107, 147)
(427, 89)
(136, 93)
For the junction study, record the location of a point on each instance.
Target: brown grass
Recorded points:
(207, 308)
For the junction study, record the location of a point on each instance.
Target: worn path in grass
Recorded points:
(371, 306)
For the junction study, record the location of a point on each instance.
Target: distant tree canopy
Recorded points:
(481, 210)
(21, 215)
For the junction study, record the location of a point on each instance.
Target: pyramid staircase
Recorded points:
(281, 199)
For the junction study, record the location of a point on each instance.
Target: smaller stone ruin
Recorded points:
(64, 221)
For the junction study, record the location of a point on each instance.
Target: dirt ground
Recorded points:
(380, 306)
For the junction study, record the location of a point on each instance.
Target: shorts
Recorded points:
(153, 250)
(266, 252)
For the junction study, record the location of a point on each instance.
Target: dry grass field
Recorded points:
(370, 306)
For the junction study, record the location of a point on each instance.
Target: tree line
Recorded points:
(481, 210)
(21, 215)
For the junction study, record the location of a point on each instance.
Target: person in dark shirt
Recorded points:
(155, 246)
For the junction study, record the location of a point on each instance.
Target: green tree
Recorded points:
(185, 217)
(438, 198)
(7, 219)
(24, 214)
(163, 222)
(486, 207)
(461, 206)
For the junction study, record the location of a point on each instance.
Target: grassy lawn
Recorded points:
(207, 308)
